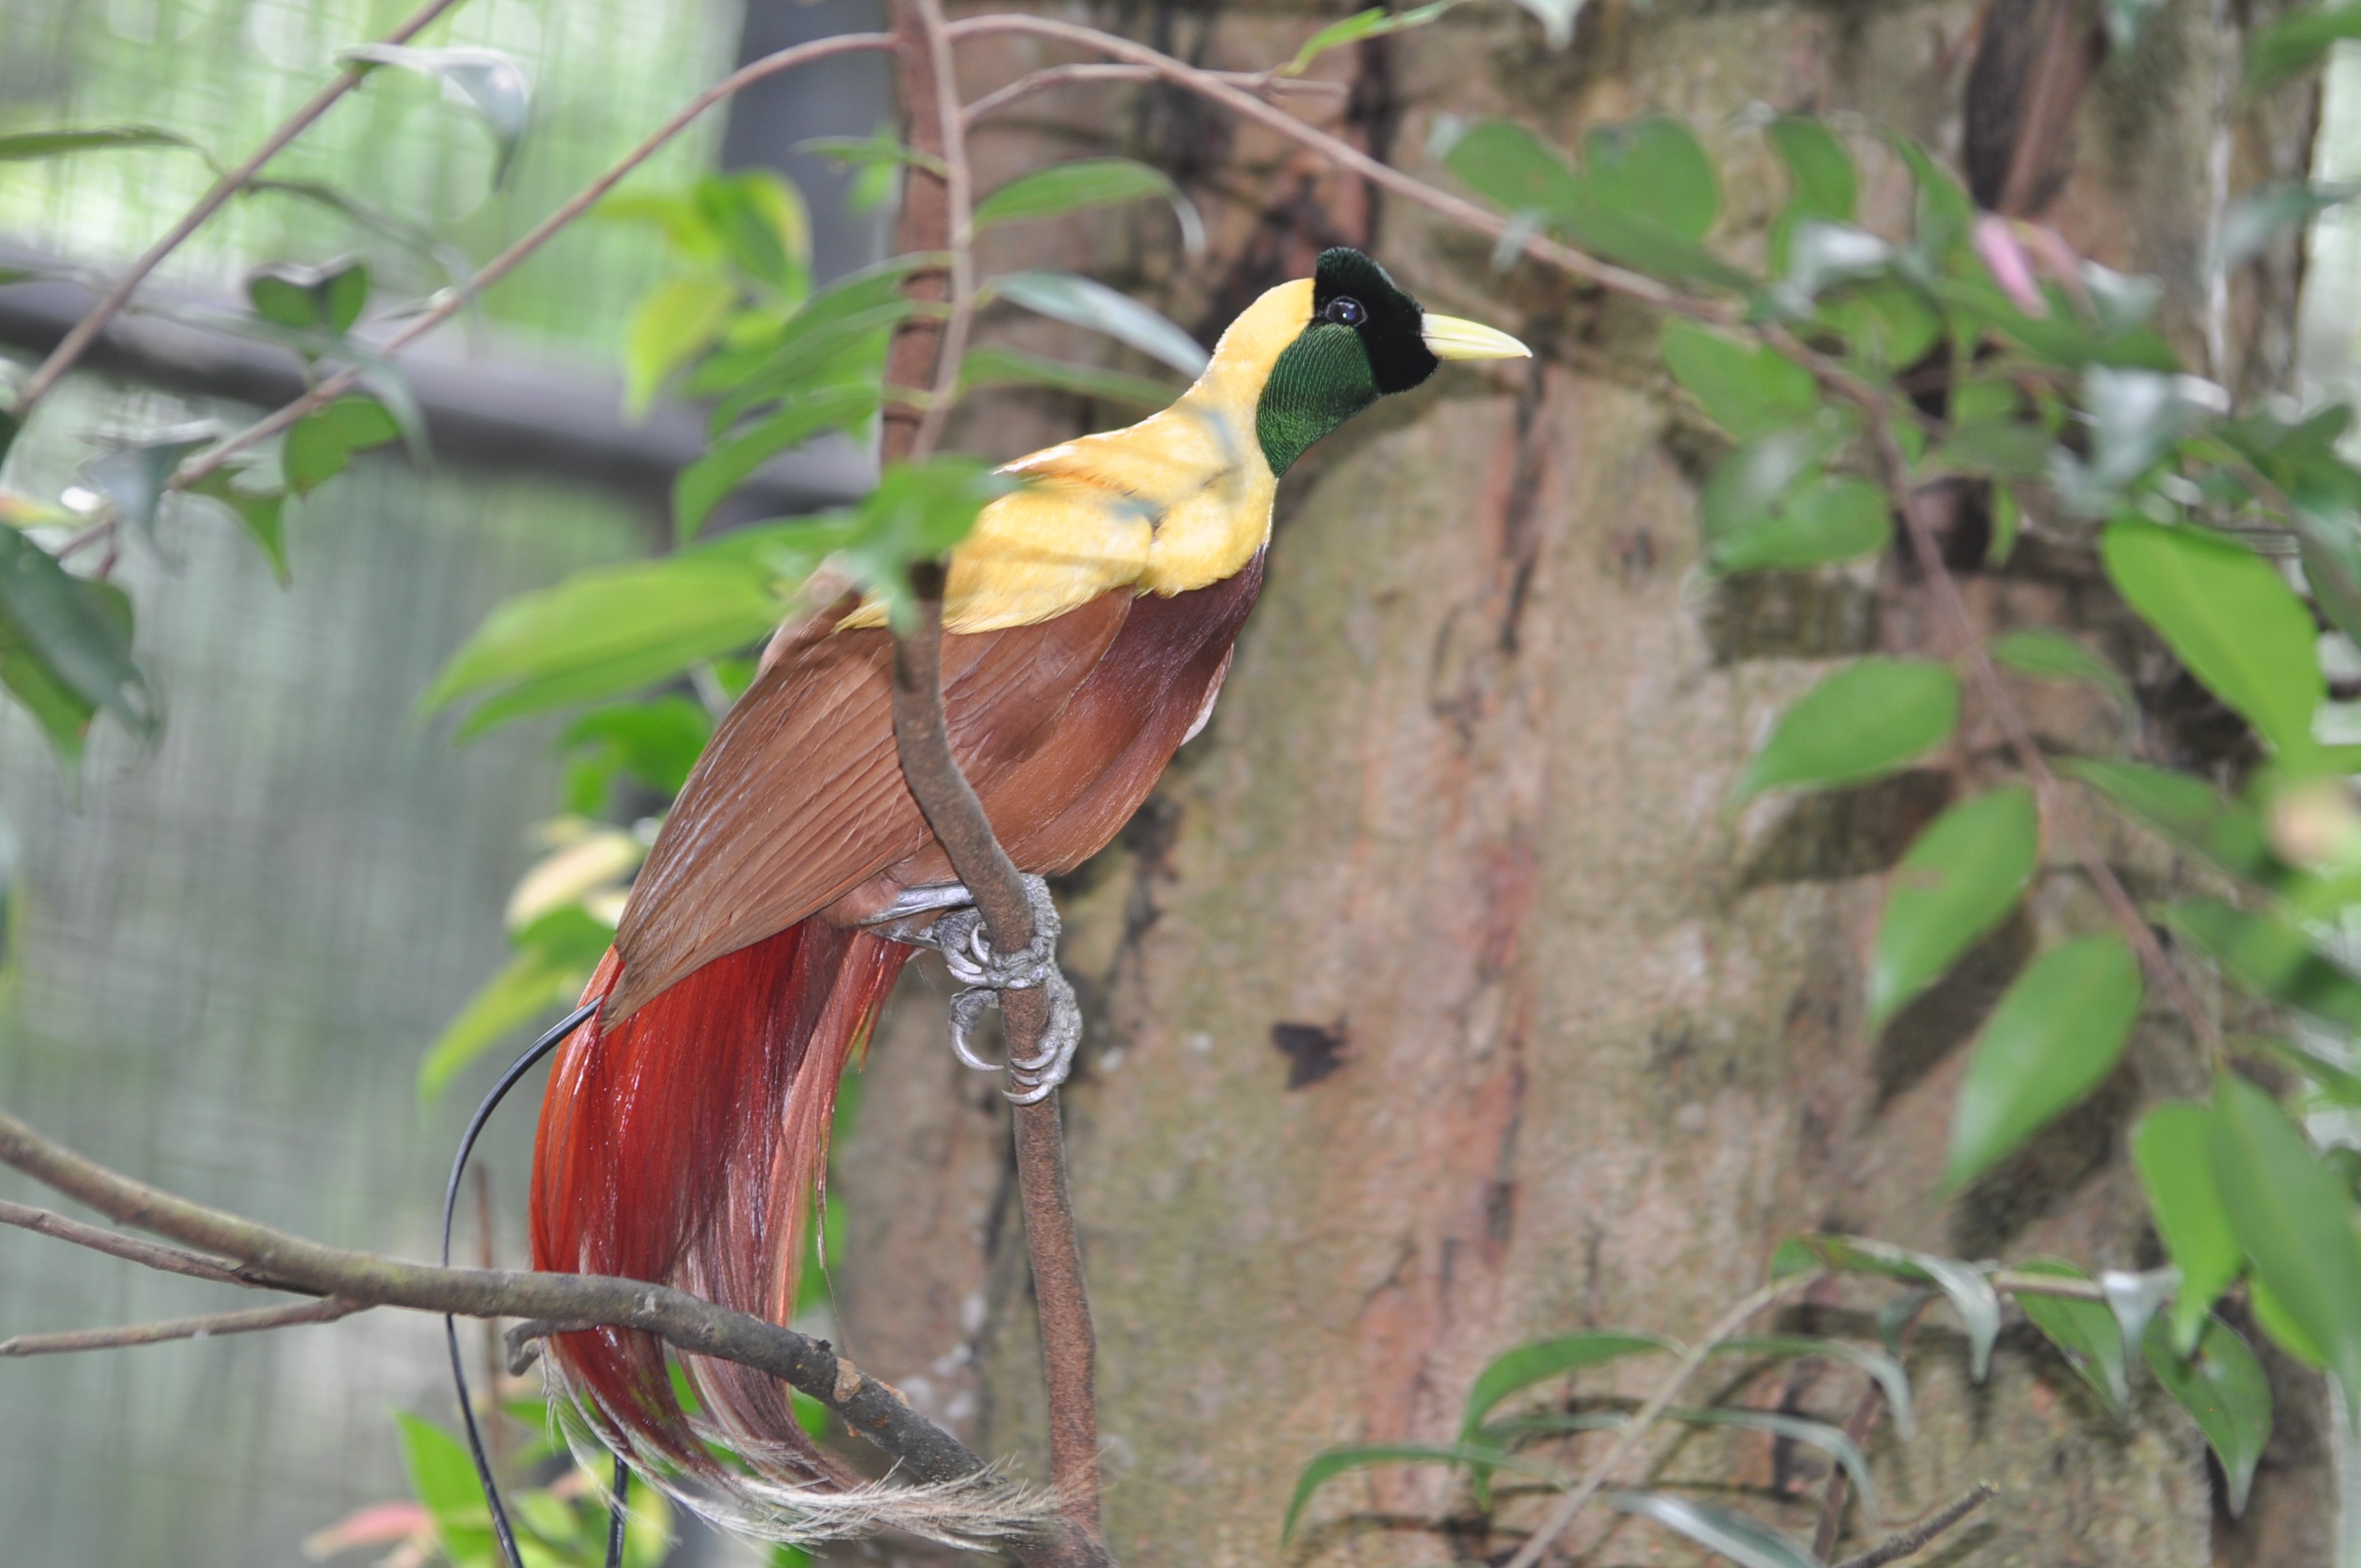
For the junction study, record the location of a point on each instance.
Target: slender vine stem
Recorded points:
(71, 347)
(1060, 75)
(250, 1320)
(449, 302)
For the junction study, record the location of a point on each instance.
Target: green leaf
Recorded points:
(1509, 165)
(760, 221)
(1958, 883)
(443, 1478)
(702, 485)
(2225, 1391)
(2054, 1037)
(1373, 23)
(1732, 1535)
(1065, 296)
(672, 324)
(2084, 1331)
(1830, 519)
(2268, 955)
(328, 298)
(1819, 168)
(1830, 1441)
(615, 630)
(1999, 448)
(322, 443)
(1652, 170)
(1747, 487)
(488, 81)
(2008, 523)
(78, 632)
(1963, 1284)
(1883, 1368)
(2230, 617)
(2295, 1220)
(1945, 214)
(1862, 722)
(871, 152)
(59, 141)
(993, 365)
(2172, 1148)
(1886, 327)
(262, 513)
(131, 471)
(2298, 41)
(1336, 1462)
(917, 512)
(532, 986)
(1091, 182)
(2190, 813)
(657, 741)
(2259, 216)
(1750, 389)
(1822, 184)
(1545, 1359)
(2047, 655)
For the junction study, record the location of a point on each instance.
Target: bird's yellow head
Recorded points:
(1338, 341)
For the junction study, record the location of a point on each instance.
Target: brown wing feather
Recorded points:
(799, 797)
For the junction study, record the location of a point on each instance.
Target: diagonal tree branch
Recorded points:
(167, 1259)
(61, 358)
(936, 217)
(1919, 1537)
(868, 1408)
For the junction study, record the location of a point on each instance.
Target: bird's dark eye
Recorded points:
(1345, 310)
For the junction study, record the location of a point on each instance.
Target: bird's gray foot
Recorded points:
(959, 936)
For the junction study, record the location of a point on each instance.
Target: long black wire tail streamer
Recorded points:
(517, 1070)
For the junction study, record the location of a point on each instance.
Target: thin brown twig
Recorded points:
(245, 1320)
(1636, 1431)
(1212, 85)
(1919, 1537)
(149, 1254)
(926, 353)
(448, 303)
(1060, 75)
(1864, 1416)
(1926, 551)
(71, 347)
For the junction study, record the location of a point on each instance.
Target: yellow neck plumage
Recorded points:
(1180, 500)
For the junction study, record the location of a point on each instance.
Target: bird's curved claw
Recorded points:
(983, 973)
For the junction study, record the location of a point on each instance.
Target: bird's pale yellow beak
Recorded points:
(1448, 338)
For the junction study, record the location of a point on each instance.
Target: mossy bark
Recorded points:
(1437, 1003)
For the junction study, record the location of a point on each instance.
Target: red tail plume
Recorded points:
(682, 1145)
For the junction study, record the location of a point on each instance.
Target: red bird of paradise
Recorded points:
(1090, 619)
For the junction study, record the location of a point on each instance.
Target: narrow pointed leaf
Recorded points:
(2189, 812)
(2086, 1333)
(1528, 1364)
(1743, 1540)
(2054, 1037)
(1373, 23)
(1091, 182)
(1830, 1441)
(78, 632)
(1336, 1462)
(2268, 954)
(671, 325)
(2295, 1220)
(1886, 1371)
(262, 513)
(60, 140)
(2225, 1391)
(702, 485)
(1069, 298)
(2230, 617)
(2049, 656)
(1959, 882)
(488, 81)
(2172, 1148)
(1972, 1295)
(995, 365)
(1862, 722)
(131, 471)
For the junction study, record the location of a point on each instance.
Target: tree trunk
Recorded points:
(1437, 1004)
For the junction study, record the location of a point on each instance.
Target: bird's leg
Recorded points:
(958, 934)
